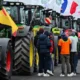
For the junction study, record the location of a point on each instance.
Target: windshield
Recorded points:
(16, 13)
(65, 23)
(30, 14)
(12, 10)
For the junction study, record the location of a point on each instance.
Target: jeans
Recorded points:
(44, 62)
(52, 63)
(73, 61)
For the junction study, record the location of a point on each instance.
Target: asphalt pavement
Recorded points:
(55, 77)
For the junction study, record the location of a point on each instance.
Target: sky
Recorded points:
(38, 2)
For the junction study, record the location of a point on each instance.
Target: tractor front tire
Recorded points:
(6, 61)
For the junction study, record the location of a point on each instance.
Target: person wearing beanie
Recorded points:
(64, 47)
(41, 30)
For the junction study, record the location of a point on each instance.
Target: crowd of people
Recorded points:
(68, 47)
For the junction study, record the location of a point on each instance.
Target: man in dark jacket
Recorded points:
(43, 46)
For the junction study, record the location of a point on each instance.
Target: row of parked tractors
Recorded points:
(18, 54)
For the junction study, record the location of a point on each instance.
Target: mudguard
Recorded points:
(22, 31)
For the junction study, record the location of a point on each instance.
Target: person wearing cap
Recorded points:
(43, 46)
(64, 47)
(73, 54)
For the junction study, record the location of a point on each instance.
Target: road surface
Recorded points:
(55, 77)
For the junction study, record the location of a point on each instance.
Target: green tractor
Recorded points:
(25, 17)
(22, 44)
(6, 54)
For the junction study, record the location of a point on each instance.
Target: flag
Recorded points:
(5, 19)
(76, 15)
(68, 7)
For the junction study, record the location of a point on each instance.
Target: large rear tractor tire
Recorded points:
(6, 61)
(24, 56)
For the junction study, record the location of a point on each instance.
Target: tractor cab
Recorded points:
(33, 14)
(47, 19)
(66, 22)
(16, 11)
(33, 17)
(47, 16)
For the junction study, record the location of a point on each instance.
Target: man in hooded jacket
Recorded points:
(64, 46)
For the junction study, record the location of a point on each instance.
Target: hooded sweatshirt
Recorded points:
(64, 44)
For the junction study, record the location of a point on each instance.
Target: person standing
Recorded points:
(64, 47)
(50, 60)
(73, 54)
(51, 37)
(43, 46)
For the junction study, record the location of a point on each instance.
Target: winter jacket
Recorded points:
(43, 44)
(36, 38)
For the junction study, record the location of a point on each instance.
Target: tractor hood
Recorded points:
(22, 30)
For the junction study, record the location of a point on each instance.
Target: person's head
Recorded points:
(47, 33)
(41, 30)
(70, 32)
(73, 34)
(64, 37)
(64, 29)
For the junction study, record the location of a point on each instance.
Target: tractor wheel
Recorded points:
(17, 55)
(6, 62)
(24, 60)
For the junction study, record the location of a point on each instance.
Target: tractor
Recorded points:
(6, 53)
(17, 53)
(25, 17)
